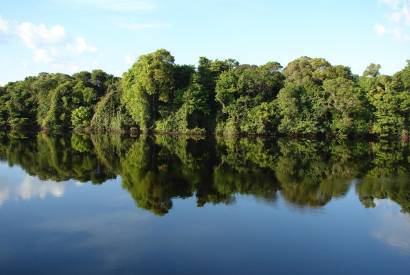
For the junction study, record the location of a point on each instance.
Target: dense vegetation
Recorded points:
(310, 97)
(157, 169)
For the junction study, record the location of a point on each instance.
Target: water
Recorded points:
(172, 205)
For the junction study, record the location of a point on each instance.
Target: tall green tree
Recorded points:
(391, 107)
(148, 84)
(21, 105)
(347, 107)
(242, 89)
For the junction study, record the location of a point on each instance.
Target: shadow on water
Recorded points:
(156, 169)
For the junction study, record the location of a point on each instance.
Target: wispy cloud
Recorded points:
(392, 3)
(30, 188)
(4, 29)
(35, 36)
(50, 45)
(397, 24)
(380, 29)
(79, 45)
(4, 25)
(394, 226)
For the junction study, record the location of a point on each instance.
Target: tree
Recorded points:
(189, 113)
(110, 115)
(80, 117)
(146, 85)
(391, 108)
(21, 105)
(347, 107)
(303, 110)
(245, 87)
(62, 103)
(373, 70)
(306, 70)
(310, 97)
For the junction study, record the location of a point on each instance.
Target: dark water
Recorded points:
(172, 205)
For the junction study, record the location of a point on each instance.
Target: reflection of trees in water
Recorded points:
(245, 168)
(153, 177)
(57, 158)
(388, 176)
(157, 169)
(312, 173)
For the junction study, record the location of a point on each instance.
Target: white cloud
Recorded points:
(400, 35)
(35, 36)
(4, 29)
(30, 188)
(391, 3)
(79, 45)
(380, 29)
(4, 25)
(398, 23)
(50, 45)
(394, 227)
(395, 16)
(406, 15)
(42, 56)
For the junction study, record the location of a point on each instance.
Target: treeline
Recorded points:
(310, 97)
(157, 169)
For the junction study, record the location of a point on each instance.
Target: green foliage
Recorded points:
(81, 143)
(48, 100)
(110, 115)
(306, 70)
(189, 113)
(319, 99)
(310, 97)
(263, 119)
(303, 110)
(242, 91)
(80, 117)
(391, 108)
(147, 85)
(61, 106)
(347, 107)
(20, 105)
(373, 70)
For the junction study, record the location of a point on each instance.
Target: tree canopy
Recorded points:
(310, 97)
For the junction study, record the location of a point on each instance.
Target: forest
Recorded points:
(308, 98)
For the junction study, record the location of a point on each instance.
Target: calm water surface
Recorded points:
(77, 204)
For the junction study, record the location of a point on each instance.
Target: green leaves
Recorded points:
(81, 117)
(148, 84)
(310, 97)
(246, 91)
(347, 107)
(391, 107)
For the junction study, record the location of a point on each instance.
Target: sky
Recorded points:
(74, 35)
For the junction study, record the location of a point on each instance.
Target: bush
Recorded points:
(80, 117)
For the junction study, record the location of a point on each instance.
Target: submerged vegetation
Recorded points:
(157, 169)
(310, 97)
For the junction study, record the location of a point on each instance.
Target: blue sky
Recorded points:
(73, 35)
